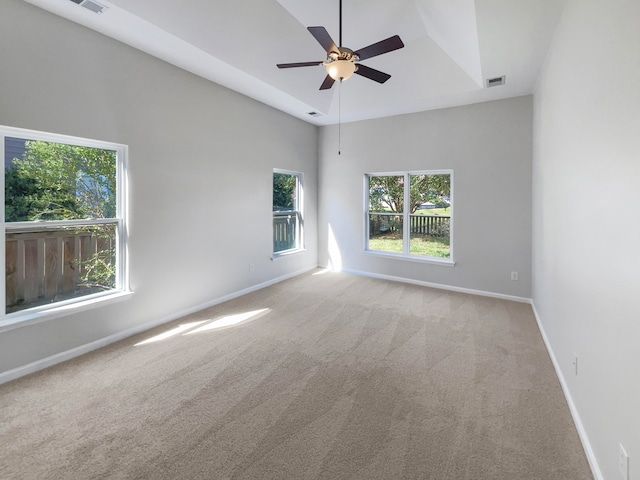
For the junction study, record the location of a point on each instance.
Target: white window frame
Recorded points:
(406, 221)
(298, 212)
(65, 307)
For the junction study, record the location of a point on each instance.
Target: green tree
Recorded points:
(54, 181)
(386, 193)
(284, 191)
(430, 188)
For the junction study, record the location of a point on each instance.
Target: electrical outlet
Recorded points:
(514, 275)
(251, 267)
(623, 462)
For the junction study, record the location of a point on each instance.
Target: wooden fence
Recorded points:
(284, 231)
(46, 264)
(435, 225)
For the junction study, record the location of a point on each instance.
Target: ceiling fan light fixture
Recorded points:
(341, 69)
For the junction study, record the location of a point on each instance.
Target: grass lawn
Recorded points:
(420, 245)
(433, 211)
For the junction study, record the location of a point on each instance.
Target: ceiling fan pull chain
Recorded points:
(340, 114)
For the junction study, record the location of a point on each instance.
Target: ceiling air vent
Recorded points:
(95, 7)
(495, 82)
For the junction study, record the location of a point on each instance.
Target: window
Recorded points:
(287, 212)
(64, 222)
(409, 214)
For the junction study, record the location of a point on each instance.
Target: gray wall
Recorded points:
(200, 170)
(487, 145)
(586, 220)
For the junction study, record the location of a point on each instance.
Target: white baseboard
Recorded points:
(116, 337)
(440, 286)
(586, 444)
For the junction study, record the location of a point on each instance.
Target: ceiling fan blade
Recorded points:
(299, 64)
(327, 84)
(372, 73)
(324, 39)
(383, 46)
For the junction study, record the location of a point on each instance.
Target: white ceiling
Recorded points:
(451, 48)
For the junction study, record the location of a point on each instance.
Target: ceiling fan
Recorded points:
(343, 62)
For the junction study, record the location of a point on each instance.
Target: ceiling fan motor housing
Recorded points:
(343, 54)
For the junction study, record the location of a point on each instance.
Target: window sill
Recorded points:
(46, 312)
(286, 253)
(445, 262)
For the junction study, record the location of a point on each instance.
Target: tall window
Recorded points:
(287, 211)
(409, 213)
(63, 219)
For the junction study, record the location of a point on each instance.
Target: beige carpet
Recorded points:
(343, 377)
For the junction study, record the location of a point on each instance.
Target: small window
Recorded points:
(63, 219)
(409, 214)
(287, 212)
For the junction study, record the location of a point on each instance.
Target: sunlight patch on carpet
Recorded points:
(171, 333)
(231, 320)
